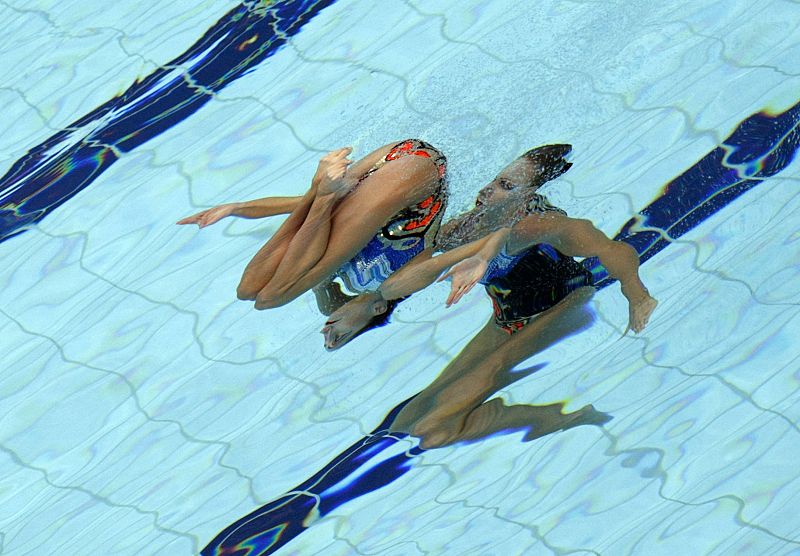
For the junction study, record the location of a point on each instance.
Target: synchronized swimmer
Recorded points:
(362, 222)
(376, 225)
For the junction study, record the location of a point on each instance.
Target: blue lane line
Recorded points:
(54, 171)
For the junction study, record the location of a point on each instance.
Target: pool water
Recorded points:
(145, 410)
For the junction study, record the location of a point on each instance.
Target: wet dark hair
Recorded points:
(550, 160)
(379, 320)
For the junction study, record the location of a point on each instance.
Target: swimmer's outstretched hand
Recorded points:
(209, 216)
(639, 312)
(464, 275)
(330, 173)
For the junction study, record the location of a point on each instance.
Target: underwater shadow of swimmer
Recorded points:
(458, 405)
(760, 147)
(372, 464)
(364, 467)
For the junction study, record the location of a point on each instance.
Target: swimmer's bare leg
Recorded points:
(335, 231)
(537, 420)
(261, 268)
(454, 407)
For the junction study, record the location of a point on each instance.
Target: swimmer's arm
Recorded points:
(580, 238)
(314, 253)
(267, 206)
(493, 244)
(258, 208)
(273, 206)
(424, 269)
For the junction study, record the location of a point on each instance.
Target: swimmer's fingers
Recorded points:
(202, 219)
(215, 215)
(460, 287)
(465, 275)
(460, 292)
(456, 291)
(337, 169)
(639, 314)
(209, 216)
(345, 152)
(452, 295)
(331, 164)
(193, 219)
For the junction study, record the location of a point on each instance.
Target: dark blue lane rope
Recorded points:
(760, 147)
(53, 172)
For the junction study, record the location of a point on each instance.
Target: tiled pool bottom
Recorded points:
(143, 409)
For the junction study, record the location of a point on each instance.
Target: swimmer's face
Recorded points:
(513, 178)
(348, 320)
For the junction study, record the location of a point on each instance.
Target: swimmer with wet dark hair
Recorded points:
(361, 222)
(539, 294)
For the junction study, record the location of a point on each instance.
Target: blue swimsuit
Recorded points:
(528, 283)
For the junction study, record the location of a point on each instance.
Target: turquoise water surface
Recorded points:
(144, 409)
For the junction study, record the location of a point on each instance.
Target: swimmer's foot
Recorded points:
(331, 172)
(639, 312)
(587, 415)
(550, 418)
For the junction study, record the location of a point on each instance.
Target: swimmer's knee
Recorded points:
(248, 289)
(432, 433)
(246, 294)
(266, 300)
